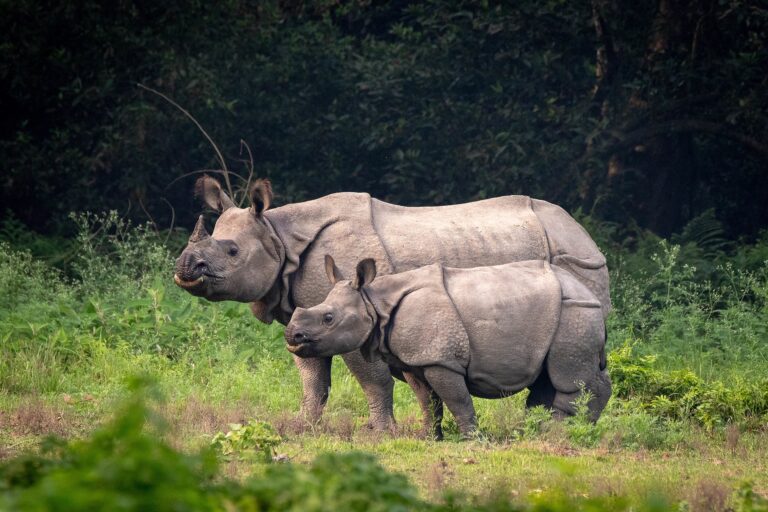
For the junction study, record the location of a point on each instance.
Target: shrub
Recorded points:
(580, 428)
(126, 465)
(122, 295)
(535, 422)
(709, 314)
(749, 501)
(630, 425)
(26, 281)
(255, 439)
(347, 481)
(123, 466)
(681, 394)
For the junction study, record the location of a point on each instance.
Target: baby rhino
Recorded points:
(485, 331)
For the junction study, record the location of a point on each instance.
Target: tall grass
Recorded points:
(715, 324)
(114, 309)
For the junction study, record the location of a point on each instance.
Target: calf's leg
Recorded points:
(378, 386)
(452, 389)
(600, 389)
(315, 374)
(431, 405)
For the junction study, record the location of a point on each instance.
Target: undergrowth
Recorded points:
(126, 465)
(698, 347)
(706, 315)
(121, 299)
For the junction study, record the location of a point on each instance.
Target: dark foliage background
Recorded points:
(646, 114)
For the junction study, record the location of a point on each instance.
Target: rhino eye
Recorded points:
(232, 250)
(327, 318)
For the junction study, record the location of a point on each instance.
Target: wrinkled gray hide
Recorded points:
(487, 331)
(494, 231)
(280, 262)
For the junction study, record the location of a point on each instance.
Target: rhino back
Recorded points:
(488, 232)
(352, 226)
(572, 249)
(510, 313)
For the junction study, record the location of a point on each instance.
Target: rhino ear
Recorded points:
(366, 272)
(333, 272)
(261, 196)
(210, 191)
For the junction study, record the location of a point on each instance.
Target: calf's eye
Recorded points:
(233, 250)
(327, 318)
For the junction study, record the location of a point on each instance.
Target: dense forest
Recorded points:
(641, 114)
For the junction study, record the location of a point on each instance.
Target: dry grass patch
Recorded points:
(437, 478)
(709, 496)
(35, 417)
(193, 421)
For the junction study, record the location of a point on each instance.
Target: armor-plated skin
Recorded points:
(273, 258)
(488, 332)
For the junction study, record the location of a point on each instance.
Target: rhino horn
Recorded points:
(199, 233)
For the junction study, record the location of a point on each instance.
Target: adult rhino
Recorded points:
(273, 258)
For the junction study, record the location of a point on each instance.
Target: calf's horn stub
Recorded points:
(199, 233)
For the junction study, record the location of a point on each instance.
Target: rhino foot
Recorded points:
(436, 433)
(382, 423)
(474, 435)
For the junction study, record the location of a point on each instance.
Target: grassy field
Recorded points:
(688, 421)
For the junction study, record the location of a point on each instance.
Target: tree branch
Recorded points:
(668, 109)
(626, 140)
(225, 170)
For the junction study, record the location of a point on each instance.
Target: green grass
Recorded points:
(676, 461)
(688, 422)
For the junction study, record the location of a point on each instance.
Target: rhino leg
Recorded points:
(576, 360)
(431, 406)
(378, 386)
(600, 389)
(451, 387)
(315, 376)
(542, 392)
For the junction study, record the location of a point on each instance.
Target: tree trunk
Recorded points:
(651, 179)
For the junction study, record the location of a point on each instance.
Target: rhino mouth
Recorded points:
(300, 348)
(189, 284)
(303, 349)
(297, 347)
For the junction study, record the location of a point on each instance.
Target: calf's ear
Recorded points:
(261, 196)
(366, 272)
(211, 193)
(331, 270)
